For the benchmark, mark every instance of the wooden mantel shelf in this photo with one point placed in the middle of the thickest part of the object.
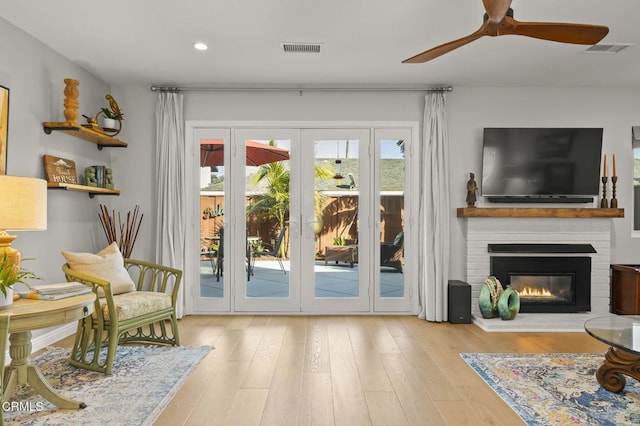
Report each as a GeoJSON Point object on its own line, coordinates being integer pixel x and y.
{"type": "Point", "coordinates": [561, 212]}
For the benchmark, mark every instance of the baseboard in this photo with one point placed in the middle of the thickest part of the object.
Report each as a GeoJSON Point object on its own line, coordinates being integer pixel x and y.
{"type": "Point", "coordinates": [52, 336]}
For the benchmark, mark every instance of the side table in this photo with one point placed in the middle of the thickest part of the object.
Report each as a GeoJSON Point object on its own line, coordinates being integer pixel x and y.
{"type": "Point", "coordinates": [625, 289]}
{"type": "Point", "coordinates": [623, 356]}
{"type": "Point", "coordinates": [347, 254]}
{"type": "Point", "coordinates": [27, 315]}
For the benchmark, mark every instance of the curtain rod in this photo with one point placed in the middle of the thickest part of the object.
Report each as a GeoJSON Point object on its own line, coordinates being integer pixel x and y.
{"type": "Point", "coordinates": [299, 89]}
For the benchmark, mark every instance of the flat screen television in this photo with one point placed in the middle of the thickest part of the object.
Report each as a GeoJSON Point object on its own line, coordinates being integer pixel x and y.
{"type": "Point", "coordinates": [541, 164]}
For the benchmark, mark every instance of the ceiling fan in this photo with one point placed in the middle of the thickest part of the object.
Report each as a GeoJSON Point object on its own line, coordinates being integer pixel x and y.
{"type": "Point", "coordinates": [499, 21]}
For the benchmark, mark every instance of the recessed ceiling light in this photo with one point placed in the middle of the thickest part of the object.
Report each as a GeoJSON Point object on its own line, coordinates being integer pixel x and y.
{"type": "Point", "coordinates": [200, 45]}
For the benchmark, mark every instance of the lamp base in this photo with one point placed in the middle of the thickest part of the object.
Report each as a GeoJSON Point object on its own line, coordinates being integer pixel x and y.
{"type": "Point", "coordinates": [12, 255]}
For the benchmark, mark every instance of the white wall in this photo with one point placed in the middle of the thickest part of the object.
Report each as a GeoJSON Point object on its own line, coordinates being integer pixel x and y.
{"type": "Point", "coordinates": [34, 74]}
{"type": "Point", "coordinates": [471, 109]}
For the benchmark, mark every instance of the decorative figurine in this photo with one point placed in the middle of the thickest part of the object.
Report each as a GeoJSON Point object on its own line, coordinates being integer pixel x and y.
{"type": "Point", "coordinates": [112, 115]}
{"type": "Point", "coordinates": [472, 187]}
{"type": "Point", "coordinates": [92, 123]}
{"type": "Point", "coordinates": [90, 176]}
{"type": "Point", "coordinates": [108, 178]}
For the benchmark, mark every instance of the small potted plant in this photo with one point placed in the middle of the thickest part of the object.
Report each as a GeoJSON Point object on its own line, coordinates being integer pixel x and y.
{"type": "Point", "coordinates": [11, 274]}
{"type": "Point", "coordinates": [110, 118]}
{"type": "Point", "coordinates": [339, 241]}
{"type": "Point", "coordinates": [112, 114]}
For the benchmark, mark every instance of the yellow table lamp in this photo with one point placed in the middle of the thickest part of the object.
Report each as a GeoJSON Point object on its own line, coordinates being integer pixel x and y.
{"type": "Point", "coordinates": [23, 207]}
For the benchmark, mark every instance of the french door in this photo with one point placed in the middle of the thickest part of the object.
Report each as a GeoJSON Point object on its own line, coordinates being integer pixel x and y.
{"type": "Point", "coordinates": [302, 220]}
{"type": "Point", "coordinates": [335, 216]}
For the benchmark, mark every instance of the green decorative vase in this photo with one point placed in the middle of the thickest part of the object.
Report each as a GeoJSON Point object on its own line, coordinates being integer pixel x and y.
{"type": "Point", "coordinates": [508, 304]}
{"type": "Point", "coordinates": [489, 296]}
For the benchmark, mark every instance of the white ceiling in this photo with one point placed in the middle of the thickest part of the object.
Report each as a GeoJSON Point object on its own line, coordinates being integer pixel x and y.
{"type": "Point", "coordinates": [150, 42]}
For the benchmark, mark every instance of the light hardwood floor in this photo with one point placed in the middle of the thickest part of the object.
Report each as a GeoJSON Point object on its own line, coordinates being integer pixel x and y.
{"type": "Point", "coordinates": [346, 370]}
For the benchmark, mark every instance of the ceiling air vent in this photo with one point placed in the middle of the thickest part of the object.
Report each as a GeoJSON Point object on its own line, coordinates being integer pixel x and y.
{"type": "Point", "coordinates": [301, 47]}
{"type": "Point", "coordinates": [608, 48]}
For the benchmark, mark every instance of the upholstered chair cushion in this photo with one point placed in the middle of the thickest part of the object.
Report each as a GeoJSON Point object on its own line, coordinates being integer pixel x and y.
{"type": "Point", "coordinates": [107, 264]}
{"type": "Point", "coordinates": [135, 304]}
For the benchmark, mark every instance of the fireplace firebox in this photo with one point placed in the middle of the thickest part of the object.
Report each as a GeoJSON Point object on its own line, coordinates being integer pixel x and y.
{"type": "Point", "coordinates": [546, 284]}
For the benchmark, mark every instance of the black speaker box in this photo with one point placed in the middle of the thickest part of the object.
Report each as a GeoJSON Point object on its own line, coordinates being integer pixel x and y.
{"type": "Point", "coordinates": [459, 302]}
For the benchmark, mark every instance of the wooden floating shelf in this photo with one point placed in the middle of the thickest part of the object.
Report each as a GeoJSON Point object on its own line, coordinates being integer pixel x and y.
{"type": "Point", "coordinates": [85, 133]}
{"type": "Point", "coordinates": [539, 212]}
{"type": "Point", "coordinates": [92, 190]}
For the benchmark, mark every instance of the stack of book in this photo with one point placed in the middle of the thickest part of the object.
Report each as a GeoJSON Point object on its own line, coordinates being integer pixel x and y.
{"type": "Point", "coordinates": [56, 291]}
{"type": "Point", "coordinates": [100, 171]}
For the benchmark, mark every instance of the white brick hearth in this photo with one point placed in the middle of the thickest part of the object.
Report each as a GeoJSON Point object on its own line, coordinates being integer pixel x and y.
{"type": "Point", "coordinates": [479, 232]}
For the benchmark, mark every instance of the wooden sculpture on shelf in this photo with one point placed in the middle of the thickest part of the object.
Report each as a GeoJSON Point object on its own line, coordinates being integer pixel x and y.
{"type": "Point", "coordinates": [71, 103]}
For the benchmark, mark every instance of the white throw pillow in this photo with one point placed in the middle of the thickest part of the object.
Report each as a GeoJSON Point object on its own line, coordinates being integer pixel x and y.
{"type": "Point", "coordinates": [107, 264]}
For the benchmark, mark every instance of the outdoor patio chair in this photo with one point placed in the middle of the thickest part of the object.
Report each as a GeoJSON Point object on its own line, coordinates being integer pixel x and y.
{"type": "Point", "coordinates": [209, 252]}
{"type": "Point", "coordinates": [220, 258]}
{"type": "Point", "coordinates": [270, 250]}
{"type": "Point", "coordinates": [391, 253]}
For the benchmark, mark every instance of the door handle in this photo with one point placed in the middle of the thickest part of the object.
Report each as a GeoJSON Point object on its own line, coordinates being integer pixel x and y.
{"type": "Point", "coordinates": [294, 227]}
{"type": "Point", "coordinates": [310, 228]}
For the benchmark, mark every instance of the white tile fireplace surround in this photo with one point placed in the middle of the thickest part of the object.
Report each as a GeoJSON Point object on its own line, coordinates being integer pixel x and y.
{"type": "Point", "coordinates": [481, 231]}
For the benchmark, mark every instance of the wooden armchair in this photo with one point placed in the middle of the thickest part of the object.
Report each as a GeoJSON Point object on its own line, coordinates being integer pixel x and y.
{"type": "Point", "coordinates": [143, 315]}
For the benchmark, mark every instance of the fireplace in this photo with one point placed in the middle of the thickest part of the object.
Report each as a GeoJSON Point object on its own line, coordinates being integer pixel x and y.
{"type": "Point", "coordinates": [546, 284]}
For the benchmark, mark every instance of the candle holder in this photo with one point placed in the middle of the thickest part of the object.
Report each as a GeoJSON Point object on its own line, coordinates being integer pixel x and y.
{"type": "Point", "coordinates": [603, 203]}
{"type": "Point", "coordinates": [614, 200]}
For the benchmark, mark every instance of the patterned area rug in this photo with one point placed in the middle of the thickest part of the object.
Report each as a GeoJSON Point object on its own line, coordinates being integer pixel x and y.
{"type": "Point", "coordinates": [557, 389]}
{"type": "Point", "coordinates": [144, 380]}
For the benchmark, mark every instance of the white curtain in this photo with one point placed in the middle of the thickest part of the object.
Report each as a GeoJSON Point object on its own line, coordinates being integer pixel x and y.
{"type": "Point", "coordinates": [171, 184]}
{"type": "Point", "coordinates": [434, 216]}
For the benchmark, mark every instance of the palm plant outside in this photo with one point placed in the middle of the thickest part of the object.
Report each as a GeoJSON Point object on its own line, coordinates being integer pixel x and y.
{"type": "Point", "coordinates": [274, 202]}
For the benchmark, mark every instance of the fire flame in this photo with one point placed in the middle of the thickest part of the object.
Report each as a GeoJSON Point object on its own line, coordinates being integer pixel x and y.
{"type": "Point", "coordinates": [534, 292]}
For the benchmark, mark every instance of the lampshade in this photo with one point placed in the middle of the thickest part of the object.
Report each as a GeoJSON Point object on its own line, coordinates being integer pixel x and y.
{"type": "Point", "coordinates": [23, 203]}
{"type": "Point", "coordinates": [23, 207]}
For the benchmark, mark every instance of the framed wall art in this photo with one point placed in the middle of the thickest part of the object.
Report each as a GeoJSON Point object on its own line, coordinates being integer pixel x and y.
{"type": "Point", "coordinates": [4, 128]}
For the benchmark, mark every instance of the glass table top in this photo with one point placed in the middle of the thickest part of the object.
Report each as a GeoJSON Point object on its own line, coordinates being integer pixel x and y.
{"type": "Point", "coordinates": [622, 331]}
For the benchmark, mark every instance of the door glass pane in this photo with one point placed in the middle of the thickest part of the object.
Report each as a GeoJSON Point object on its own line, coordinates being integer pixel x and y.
{"type": "Point", "coordinates": [267, 196]}
{"type": "Point", "coordinates": [336, 209]}
{"type": "Point", "coordinates": [391, 175]}
{"type": "Point", "coordinates": [212, 214]}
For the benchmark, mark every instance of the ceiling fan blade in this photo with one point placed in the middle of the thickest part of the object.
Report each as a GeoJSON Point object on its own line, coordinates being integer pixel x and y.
{"type": "Point", "coordinates": [496, 9]}
{"type": "Point", "coordinates": [445, 48]}
{"type": "Point", "coordinates": [564, 33]}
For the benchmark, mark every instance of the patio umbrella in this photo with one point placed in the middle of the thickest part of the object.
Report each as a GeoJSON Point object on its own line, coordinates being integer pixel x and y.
{"type": "Point", "coordinates": [212, 153]}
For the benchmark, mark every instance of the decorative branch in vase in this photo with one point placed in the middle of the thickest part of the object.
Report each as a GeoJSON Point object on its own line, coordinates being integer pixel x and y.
{"type": "Point", "coordinates": [123, 233]}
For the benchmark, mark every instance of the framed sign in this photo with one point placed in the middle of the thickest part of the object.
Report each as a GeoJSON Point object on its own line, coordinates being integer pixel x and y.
{"type": "Point", "coordinates": [4, 128]}
{"type": "Point", "coordinates": [59, 170]}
